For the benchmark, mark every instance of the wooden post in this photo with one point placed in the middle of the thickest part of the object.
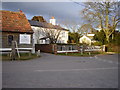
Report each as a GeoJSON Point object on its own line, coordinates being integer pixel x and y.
{"type": "Point", "coordinates": [83, 49]}
{"type": "Point", "coordinates": [55, 48]}
{"type": "Point", "coordinates": [66, 50]}
{"type": "Point", "coordinates": [103, 48]}
{"type": "Point", "coordinates": [17, 49]}
{"type": "Point", "coordinates": [30, 53]}
{"type": "Point", "coordinates": [13, 54]}
{"type": "Point", "coordinates": [78, 47]}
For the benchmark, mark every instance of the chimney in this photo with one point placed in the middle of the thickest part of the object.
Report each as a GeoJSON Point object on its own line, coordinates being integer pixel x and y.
{"type": "Point", "coordinates": [52, 17]}
{"type": "Point", "coordinates": [20, 11]}
{"type": "Point", "coordinates": [53, 21]}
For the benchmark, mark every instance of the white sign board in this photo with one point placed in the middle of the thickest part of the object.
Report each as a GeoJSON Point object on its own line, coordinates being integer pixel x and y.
{"type": "Point", "coordinates": [25, 39]}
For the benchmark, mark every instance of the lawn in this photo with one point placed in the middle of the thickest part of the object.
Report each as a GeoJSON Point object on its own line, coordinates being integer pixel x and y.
{"type": "Point", "coordinates": [86, 54]}
{"type": "Point", "coordinates": [23, 56]}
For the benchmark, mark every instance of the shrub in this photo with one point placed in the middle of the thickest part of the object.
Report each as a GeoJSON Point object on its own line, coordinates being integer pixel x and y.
{"type": "Point", "coordinates": [113, 48]}
{"type": "Point", "coordinates": [97, 43]}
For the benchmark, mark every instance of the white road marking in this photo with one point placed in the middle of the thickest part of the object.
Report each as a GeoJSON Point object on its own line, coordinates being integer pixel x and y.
{"type": "Point", "coordinates": [76, 69]}
{"type": "Point", "coordinates": [109, 61]}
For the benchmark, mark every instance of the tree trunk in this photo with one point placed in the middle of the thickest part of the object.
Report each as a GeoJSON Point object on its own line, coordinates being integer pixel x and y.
{"type": "Point", "coordinates": [107, 38]}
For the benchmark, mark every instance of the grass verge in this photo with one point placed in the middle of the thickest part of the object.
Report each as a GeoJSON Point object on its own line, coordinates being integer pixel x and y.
{"type": "Point", "coordinates": [23, 56]}
{"type": "Point", "coordinates": [85, 54]}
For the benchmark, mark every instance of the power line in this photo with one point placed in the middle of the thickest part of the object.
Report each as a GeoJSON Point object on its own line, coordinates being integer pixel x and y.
{"type": "Point", "coordinates": [78, 3]}
{"type": "Point", "coordinates": [83, 5]}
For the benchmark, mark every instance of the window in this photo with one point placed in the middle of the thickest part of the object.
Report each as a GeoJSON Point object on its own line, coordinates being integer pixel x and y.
{"type": "Point", "coordinates": [63, 34]}
{"type": "Point", "coordinates": [10, 39]}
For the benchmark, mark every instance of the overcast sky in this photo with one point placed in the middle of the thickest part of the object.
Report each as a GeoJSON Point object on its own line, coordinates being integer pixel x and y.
{"type": "Point", "coordinates": [62, 11]}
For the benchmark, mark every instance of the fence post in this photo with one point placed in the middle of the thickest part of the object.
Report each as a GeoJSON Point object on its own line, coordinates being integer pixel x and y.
{"type": "Point", "coordinates": [78, 47]}
{"type": "Point", "coordinates": [66, 49]}
{"type": "Point", "coordinates": [13, 54]}
{"type": "Point", "coordinates": [38, 53]}
{"type": "Point", "coordinates": [55, 48]}
{"type": "Point", "coordinates": [103, 48]}
{"type": "Point", "coordinates": [83, 48]}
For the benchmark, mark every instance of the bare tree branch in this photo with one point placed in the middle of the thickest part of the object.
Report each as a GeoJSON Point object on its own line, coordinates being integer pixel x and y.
{"type": "Point", "coordinates": [101, 13]}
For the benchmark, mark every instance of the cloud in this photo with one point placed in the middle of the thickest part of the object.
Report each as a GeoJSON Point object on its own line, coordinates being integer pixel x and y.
{"type": "Point", "coordinates": [61, 10]}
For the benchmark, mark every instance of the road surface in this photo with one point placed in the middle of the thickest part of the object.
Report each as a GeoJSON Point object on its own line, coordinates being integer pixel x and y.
{"type": "Point", "coordinates": [54, 71]}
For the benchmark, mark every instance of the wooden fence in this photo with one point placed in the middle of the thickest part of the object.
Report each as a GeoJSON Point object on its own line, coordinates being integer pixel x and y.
{"type": "Point", "coordinates": [54, 48]}
{"type": "Point", "coordinates": [67, 48]}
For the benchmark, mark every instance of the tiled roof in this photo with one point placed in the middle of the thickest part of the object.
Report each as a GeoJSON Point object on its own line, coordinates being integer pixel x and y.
{"type": "Point", "coordinates": [15, 22]}
{"type": "Point", "coordinates": [45, 25]}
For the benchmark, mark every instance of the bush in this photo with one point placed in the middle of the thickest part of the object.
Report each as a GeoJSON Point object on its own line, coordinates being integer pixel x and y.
{"type": "Point", "coordinates": [113, 48]}
{"type": "Point", "coordinates": [100, 36]}
{"type": "Point", "coordinates": [97, 43]}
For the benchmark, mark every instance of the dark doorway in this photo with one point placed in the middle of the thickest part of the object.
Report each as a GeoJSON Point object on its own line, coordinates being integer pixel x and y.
{"type": "Point", "coordinates": [10, 39]}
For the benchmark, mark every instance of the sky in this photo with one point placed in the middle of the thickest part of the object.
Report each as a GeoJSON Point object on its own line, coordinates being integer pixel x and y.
{"type": "Point", "coordinates": [62, 11]}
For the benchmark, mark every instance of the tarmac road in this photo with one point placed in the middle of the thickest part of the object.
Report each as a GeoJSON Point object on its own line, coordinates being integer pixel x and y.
{"type": "Point", "coordinates": [53, 71]}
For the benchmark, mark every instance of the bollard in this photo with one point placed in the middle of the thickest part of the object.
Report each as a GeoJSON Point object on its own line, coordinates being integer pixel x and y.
{"type": "Point", "coordinates": [81, 51]}
{"type": "Point", "coordinates": [38, 53]}
{"type": "Point", "coordinates": [66, 53]}
{"type": "Point", "coordinates": [89, 53]}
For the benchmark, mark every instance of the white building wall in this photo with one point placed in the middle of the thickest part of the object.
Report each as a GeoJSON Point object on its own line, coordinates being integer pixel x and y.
{"type": "Point", "coordinates": [63, 37]}
{"type": "Point", "coordinates": [85, 39]}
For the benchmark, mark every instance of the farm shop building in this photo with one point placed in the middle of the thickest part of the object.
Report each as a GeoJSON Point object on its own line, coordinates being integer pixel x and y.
{"type": "Point", "coordinates": [15, 26]}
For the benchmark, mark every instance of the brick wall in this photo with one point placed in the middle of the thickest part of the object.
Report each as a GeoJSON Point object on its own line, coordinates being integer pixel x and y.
{"type": "Point", "coordinates": [16, 38]}
{"type": "Point", "coordinates": [48, 48]}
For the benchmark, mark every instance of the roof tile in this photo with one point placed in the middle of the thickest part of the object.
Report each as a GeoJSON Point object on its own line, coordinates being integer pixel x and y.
{"type": "Point", "coordinates": [15, 22]}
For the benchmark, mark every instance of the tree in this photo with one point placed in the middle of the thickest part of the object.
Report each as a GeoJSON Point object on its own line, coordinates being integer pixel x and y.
{"type": "Point", "coordinates": [103, 13]}
{"type": "Point", "coordinates": [47, 33]}
{"type": "Point", "coordinates": [116, 39]}
{"type": "Point", "coordinates": [73, 27]}
{"type": "Point", "coordinates": [50, 33]}
{"type": "Point", "coordinates": [46, 30]}
{"type": "Point", "coordinates": [37, 34]}
{"type": "Point", "coordinates": [100, 36]}
{"type": "Point", "coordinates": [85, 29]}
{"type": "Point", "coordinates": [38, 18]}
{"type": "Point", "coordinates": [74, 37]}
